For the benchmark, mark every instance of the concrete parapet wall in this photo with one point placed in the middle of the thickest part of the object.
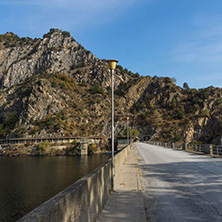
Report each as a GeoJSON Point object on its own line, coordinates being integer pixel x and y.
{"type": "Point", "coordinates": [83, 200]}
{"type": "Point", "coordinates": [207, 148]}
{"type": "Point", "coordinates": [119, 158]}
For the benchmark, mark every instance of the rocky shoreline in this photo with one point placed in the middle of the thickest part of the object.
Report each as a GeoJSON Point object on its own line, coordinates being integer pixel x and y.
{"type": "Point", "coordinates": [16, 150]}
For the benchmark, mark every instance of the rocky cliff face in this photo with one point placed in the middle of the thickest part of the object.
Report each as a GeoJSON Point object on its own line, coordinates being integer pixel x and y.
{"type": "Point", "coordinates": [53, 86]}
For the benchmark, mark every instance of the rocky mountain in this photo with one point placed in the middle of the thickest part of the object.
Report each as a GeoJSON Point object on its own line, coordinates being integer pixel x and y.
{"type": "Point", "coordinates": [54, 87]}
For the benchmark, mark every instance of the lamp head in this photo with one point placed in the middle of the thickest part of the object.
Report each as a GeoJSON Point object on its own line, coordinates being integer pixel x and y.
{"type": "Point", "coordinates": [112, 63]}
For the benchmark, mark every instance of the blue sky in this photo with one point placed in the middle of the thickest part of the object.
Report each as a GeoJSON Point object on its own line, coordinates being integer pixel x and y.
{"type": "Point", "coordinates": [175, 38]}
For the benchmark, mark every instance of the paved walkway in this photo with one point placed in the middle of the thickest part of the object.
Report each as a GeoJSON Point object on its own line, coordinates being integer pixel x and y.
{"type": "Point", "coordinates": [126, 203]}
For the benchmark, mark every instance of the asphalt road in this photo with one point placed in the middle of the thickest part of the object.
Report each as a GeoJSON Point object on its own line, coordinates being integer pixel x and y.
{"type": "Point", "coordinates": [180, 186]}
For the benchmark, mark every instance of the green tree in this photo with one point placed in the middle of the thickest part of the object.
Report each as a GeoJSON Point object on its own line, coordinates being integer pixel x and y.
{"type": "Point", "coordinates": [134, 133]}
{"type": "Point", "coordinates": [185, 86]}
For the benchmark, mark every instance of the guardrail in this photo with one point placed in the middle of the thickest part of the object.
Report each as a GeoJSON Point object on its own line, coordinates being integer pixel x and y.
{"type": "Point", "coordinates": [199, 148]}
{"type": "Point", "coordinates": [213, 150]}
{"type": "Point", "coordinates": [65, 139]}
{"type": "Point", "coordinates": [217, 150]}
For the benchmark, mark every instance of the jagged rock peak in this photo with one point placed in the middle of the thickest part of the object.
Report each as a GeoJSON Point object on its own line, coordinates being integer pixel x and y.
{"type": "Point", "coordinates": [56, 32]}
{"type": "Point", "coordinates": [57, 52]}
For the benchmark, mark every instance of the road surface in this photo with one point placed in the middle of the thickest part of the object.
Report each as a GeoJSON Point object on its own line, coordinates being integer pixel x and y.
{"type": "Point", "coordinates": [180, 186]}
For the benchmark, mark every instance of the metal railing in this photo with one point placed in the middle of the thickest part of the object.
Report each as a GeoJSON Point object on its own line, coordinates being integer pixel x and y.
{"type": "Point", "coordinates": [96, 139]}
{"type": "Point", "coordinates": [213, 150]}
{"type": "Point", "coordinates": [217, 150]}
{"type": "Point", "coordinates": [199, 148]}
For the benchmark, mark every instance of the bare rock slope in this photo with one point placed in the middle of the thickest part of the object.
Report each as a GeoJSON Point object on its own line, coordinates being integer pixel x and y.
{"type": "Point", "coordinates": [53, 87]}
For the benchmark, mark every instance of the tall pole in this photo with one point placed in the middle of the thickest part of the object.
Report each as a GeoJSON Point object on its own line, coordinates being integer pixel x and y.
{"type": "Point", "coordinates": [112, 66]}
{"type": "Point", "coordinates": [112, 128]}
{"type": "Point", "coordinates": [130, 137]}
{"type": "Point", "coordinates": [127, 130]}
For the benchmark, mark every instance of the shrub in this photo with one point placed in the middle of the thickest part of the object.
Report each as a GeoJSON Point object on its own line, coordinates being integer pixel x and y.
{"type": "Point", "coordinates": [204, 113]}
{"type": "Point", "coordinates": [151, 105]}
{"type": "Point", "coordinates": [2, 131]}
{"type": "Point", "coordinates": [74, 142]}
{"type": "Point", "coordinates": [54, 83]}
{"type": "Point", "coordinates": [219, 101]}
{"type": "Point", "coordinates": [120, 68]}
{"type": "Point", "coordinates": [92, 148]}
{"type": "Point", "coordinates": [124, 86]}
{"type": "Point", "coordinates": [178, 138]}
{"type": "Point", "coordinates": [168, 80]}
{"type": "Point", "coordinates": [43, 147]}
{"type": "Point", "coordinates": [96, 89]}
{"type": "Point", "coordinates": [64, 81]}
{"type": "Point", "coordinates": [50, 122]}
{"type": "Point", "coordinates": [80, 47]}
{"type": "Point", "coordinates": [134, 133]}
{"type": "Point", "coordinates": [10, 121]}
{"type": "Point", "coordinates": [65, 34]}
{"type": "Point", "coordinates": [1, 127]}
{"type": "Point", "coordinates": [54, 122]}
{"type": "Point", "coordinates": [180, 114]}
{"type": "Point", "coordinates": [73, 66]}
{"type": "Point", "coordinates": [174, 103]}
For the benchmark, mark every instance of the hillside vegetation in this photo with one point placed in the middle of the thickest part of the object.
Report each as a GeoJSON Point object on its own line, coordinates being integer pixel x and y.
{"type": "Point", "coordinates": [55, 87]}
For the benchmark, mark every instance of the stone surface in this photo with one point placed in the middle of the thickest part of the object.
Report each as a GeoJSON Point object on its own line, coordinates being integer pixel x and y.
{"type": "Point", "coordinates": [42, 79]}
{"type": "Point", "coordinates": [126, 202]}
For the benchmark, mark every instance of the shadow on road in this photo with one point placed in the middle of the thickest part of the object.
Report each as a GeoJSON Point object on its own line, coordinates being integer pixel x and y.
{"type": "Point", "coordinates": [183, 191]}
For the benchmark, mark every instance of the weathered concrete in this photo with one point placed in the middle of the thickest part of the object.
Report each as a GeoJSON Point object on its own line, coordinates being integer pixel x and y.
{"type": "Point", "coordinates": [207, 148]}
{"type": "Point", "coordinates": [82, 201]}
{"type": "Point", "coordinates": [120, 158]}
{"type": "Point", "coordinates": [126, 203]}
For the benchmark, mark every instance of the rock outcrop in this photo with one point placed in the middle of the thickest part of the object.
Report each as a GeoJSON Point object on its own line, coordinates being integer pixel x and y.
{"type": "Point", "coordinates": [54, 87]}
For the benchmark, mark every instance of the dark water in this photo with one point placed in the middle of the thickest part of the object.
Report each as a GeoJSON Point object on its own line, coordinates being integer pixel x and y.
{"type": "Point", "coordinates": [26, 182]}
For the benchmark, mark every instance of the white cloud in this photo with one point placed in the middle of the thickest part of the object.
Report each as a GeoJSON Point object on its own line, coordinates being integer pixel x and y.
{"type": "Point", "coordinates": [65, 14]}
{"type": "Point", "coordinates": [80, 4]}
{"type": "Point", "coordinates": [198, 52]}
{"type": "Point", "coordinates": [204, 42]}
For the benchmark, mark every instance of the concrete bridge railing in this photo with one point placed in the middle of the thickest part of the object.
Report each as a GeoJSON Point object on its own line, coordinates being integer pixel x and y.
{"type": "Point", "coordinates": [83, 200]}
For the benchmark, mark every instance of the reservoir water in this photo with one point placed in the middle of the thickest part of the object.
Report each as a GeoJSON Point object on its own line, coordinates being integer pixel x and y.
{"type": "Point", "coordinates": [26, 182]}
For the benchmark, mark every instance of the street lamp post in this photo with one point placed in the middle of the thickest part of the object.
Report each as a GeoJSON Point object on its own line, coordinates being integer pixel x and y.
{"type": "Point", "coordinates": [112, 66]}
{"type": "Point", "coordinates": [127, 118]}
